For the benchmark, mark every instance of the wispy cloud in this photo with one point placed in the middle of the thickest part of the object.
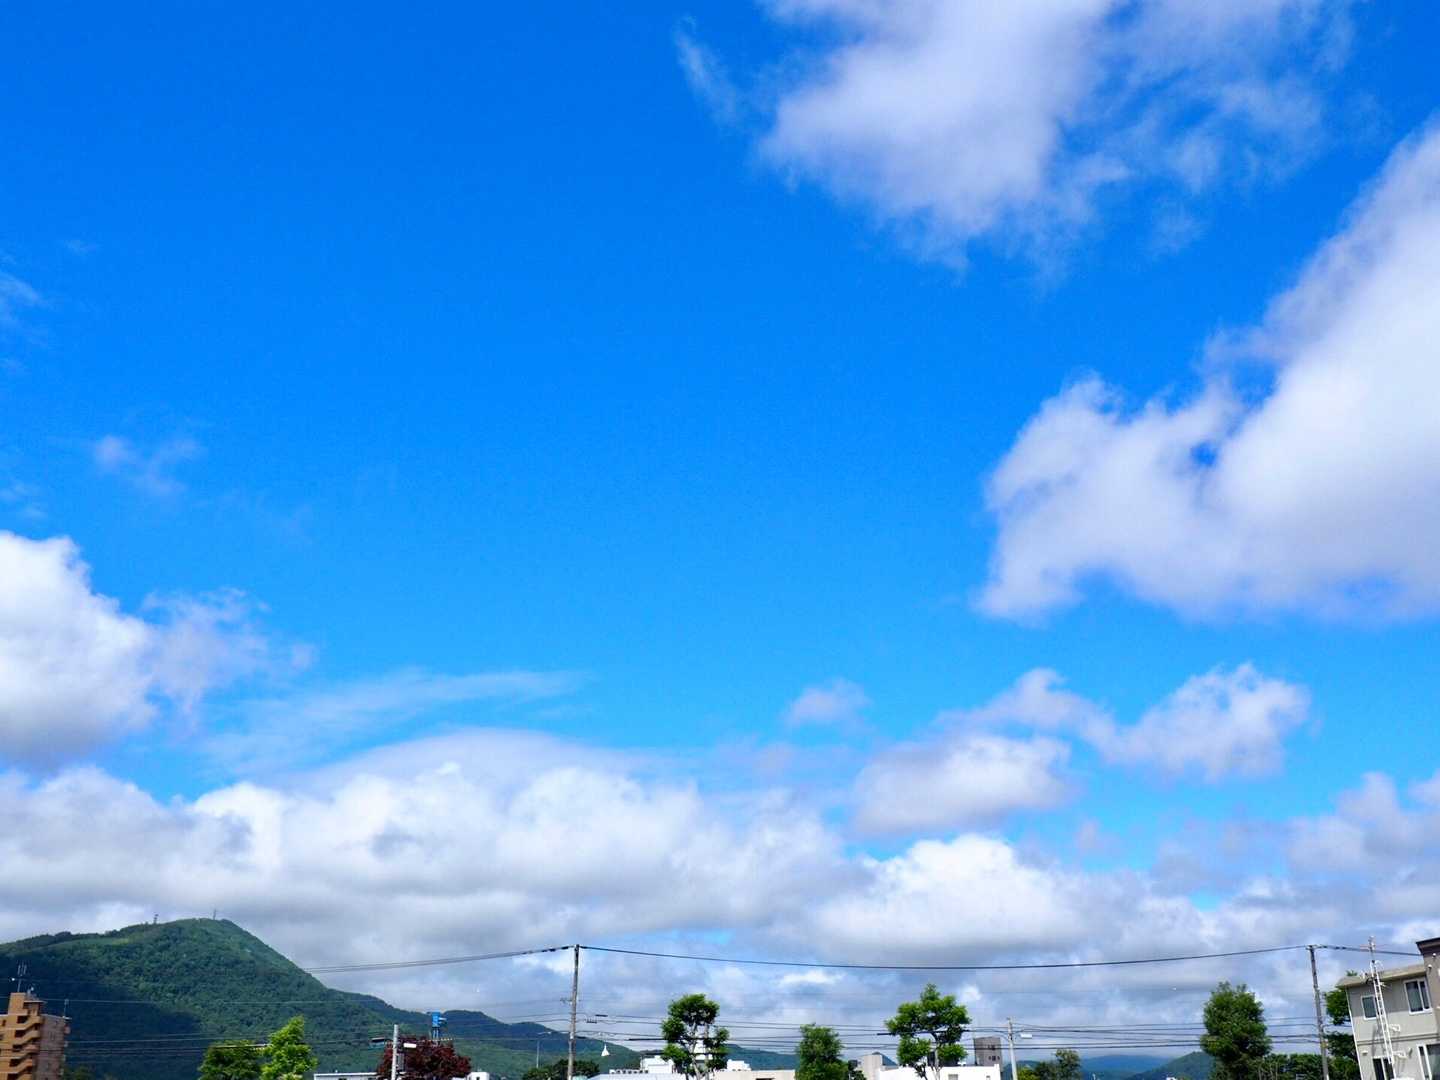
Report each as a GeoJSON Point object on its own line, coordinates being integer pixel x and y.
{"type": "Point", "coordinates": [22, 499]}
{"type": "Point", "coordinates": [706, 75]}
{"type": "Point", "coordinates": [149, 471]}
{"type": "Point", "coordinates": [15, 296]}
{"type": "Point", "coordinates": [279, 734]}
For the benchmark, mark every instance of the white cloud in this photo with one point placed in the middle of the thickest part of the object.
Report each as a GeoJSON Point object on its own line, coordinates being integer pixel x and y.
{"type": "Point", "coordinates": [958, 780]}
{"type": "Point", "coordinates": [1223, 723]}
{"type": "Point", "coordinates": [15, 296]}
{"type": "Point", "coordinates": [968, 119]}
{"type": "Point", "coordinates": [76, 671]}
{"type": "Point", "coordinates": [24, 499]}
{"type": "Point", "coordinates": [152, 471]}
{"type": "Point", "coordinates": [501, 839]}
{"type": "Point", "coordinates": [838, 702]}
{"type": "Point", "coordinates": [707, 76]}
{"type": "Point", "coordinates": [1039, 700]}
{"type": "Point", "coordinates": [1373, 829]}
{"type": "Point", "coordinates": [283, 733]}
{"type": "Point", "coordinates": [1321, 495]}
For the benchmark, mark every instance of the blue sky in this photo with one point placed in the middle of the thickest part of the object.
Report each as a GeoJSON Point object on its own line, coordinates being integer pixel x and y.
{"type": "Point", "coordinates": [652, 360]}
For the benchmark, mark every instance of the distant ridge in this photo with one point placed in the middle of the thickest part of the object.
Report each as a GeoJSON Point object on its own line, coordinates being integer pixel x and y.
{"type": "Point", "coordinates": [146, 1000]}
{"type": "Point", "coordinates": [1196, 1066]}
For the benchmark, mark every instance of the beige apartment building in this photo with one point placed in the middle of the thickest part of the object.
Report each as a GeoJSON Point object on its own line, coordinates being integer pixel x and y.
{"type": "Point", "coordinates": [32, 1043]}
{"type": "Point", "coordinates": [1397, 1032]}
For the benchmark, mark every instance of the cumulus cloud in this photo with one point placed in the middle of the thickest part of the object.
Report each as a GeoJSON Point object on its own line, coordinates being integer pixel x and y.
{"type": "Point", "coordinates": [350, 867]}
{"type": "Point", "coordinates": [1373, 828]}
{"type": "Point", "coordinates": [1319, 495]}
{"type": "Point", "coordinates": [838, 702]}
{"type": "Point", "coordinates": [76, 671]}
{"type": "Point", "coordinates": [1037, 699]}
{"type": "Point", "coordinates": [1223, 723]}
{"type": "Point", "coordinates": [149, 471]}
{"type": "Point", "coordinates": [972, 119]}
{"type": "Point", "coordinates": [1220, 724]}
{"type": "Point", "coordinates": [955, 781]}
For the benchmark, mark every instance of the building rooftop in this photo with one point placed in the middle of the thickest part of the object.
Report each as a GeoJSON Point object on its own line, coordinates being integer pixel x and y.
{"type": "Point", "coordinates": [1386, 975]}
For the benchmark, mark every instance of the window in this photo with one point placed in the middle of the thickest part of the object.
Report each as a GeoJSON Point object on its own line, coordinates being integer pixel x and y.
{"type": "Point", "coordinates": [1430, 1060]}
{"type": "Point", "coordinates": [1367, 1006]}
{"type": "Point", "coordinates": [1384, 1070]}
{"type": "Point", "coordinates": [1418, 994]}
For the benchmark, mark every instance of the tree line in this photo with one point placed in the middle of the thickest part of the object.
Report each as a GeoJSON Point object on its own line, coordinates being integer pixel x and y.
{"type": "Point", "coordinates": [928, 1030]}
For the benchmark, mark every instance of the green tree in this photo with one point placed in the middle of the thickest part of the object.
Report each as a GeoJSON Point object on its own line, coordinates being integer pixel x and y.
{"type": "Point", "coordinates": [1066, 1066]}
{"type": "Point", "coordinates": [930, 1030]}
{"type": "Point", "coordinates": [1344, 1065]}
{"type": "Point", "coordinates": [288, 1056]}
{"type": "Point", "coordinates": [819, 1055]}
{"type": "Point", "coordinates": [1235, 1034]}
{"type": "Point", "coordinates": [555, 1070]}
{"type": "Point", "coordinates": [1291, 1067]}
{"type": "Point", "coordinates": [231, 1061]}
{"type": "Point", "coordinates": [693, 1043]}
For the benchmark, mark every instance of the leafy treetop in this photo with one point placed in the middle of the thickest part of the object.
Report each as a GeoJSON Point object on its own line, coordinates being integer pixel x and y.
{"type": "Point", "coordinates": [1066, 1066]}
{"type": "Point", "coordinates": [231, 1061]}
{"type": "Point", "coordinates": [693, 1043]}
{"type": "Point", "coordinates": [819, 1055]}
{"type": "Point", "coordinates": [930, 1030]}
{"type": "Point", "coordinates": [288, 1056]}
{"type": "Point", "coordinates": [1344, 1065]}
{"type": "Point", "coordinates": [1235, 1034]}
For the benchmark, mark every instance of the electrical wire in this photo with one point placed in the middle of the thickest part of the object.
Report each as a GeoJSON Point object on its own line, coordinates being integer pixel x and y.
{"type": "Point", "coordinates": [947, 967]}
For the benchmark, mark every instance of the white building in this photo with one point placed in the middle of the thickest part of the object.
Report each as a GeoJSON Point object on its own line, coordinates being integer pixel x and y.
{"type": "Point", "coordinates": [871, 1065]}
{"type": "Point", "coordinates": [655, 1065]}
{"type": "Point", "coordinates": [1407, 1003]}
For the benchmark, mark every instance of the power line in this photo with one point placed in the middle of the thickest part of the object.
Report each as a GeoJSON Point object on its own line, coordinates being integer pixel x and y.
{"type": "Point", "coordinates": [836, 965]}
{"type": "Point", "coordinates": [946, 967]}
{"type": "Point", "coordinates": [386, 965]}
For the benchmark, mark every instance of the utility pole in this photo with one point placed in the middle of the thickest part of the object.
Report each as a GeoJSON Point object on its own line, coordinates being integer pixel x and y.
{"type": "Point", "coordinates": [395, 1053]}
{"type": "Point", "coordinates": [574, 1004]}
{"type": "Point", "coordinates": [1319, 1019]}
{"type": "Point", "coordinates": [1010, 1031]}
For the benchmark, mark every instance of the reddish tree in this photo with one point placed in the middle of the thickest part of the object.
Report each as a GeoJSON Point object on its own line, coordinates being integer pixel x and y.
{"type": "Point", "coordinates": [426, 1060]}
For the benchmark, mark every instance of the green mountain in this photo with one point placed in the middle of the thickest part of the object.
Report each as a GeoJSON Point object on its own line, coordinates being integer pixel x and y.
{"type": "Point", "coordinates": [146, 1000]}
{"type": "Point", "coordinates": [1194, 1066]}
{"type": "Point", "coordinates": [1124, 1064]}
